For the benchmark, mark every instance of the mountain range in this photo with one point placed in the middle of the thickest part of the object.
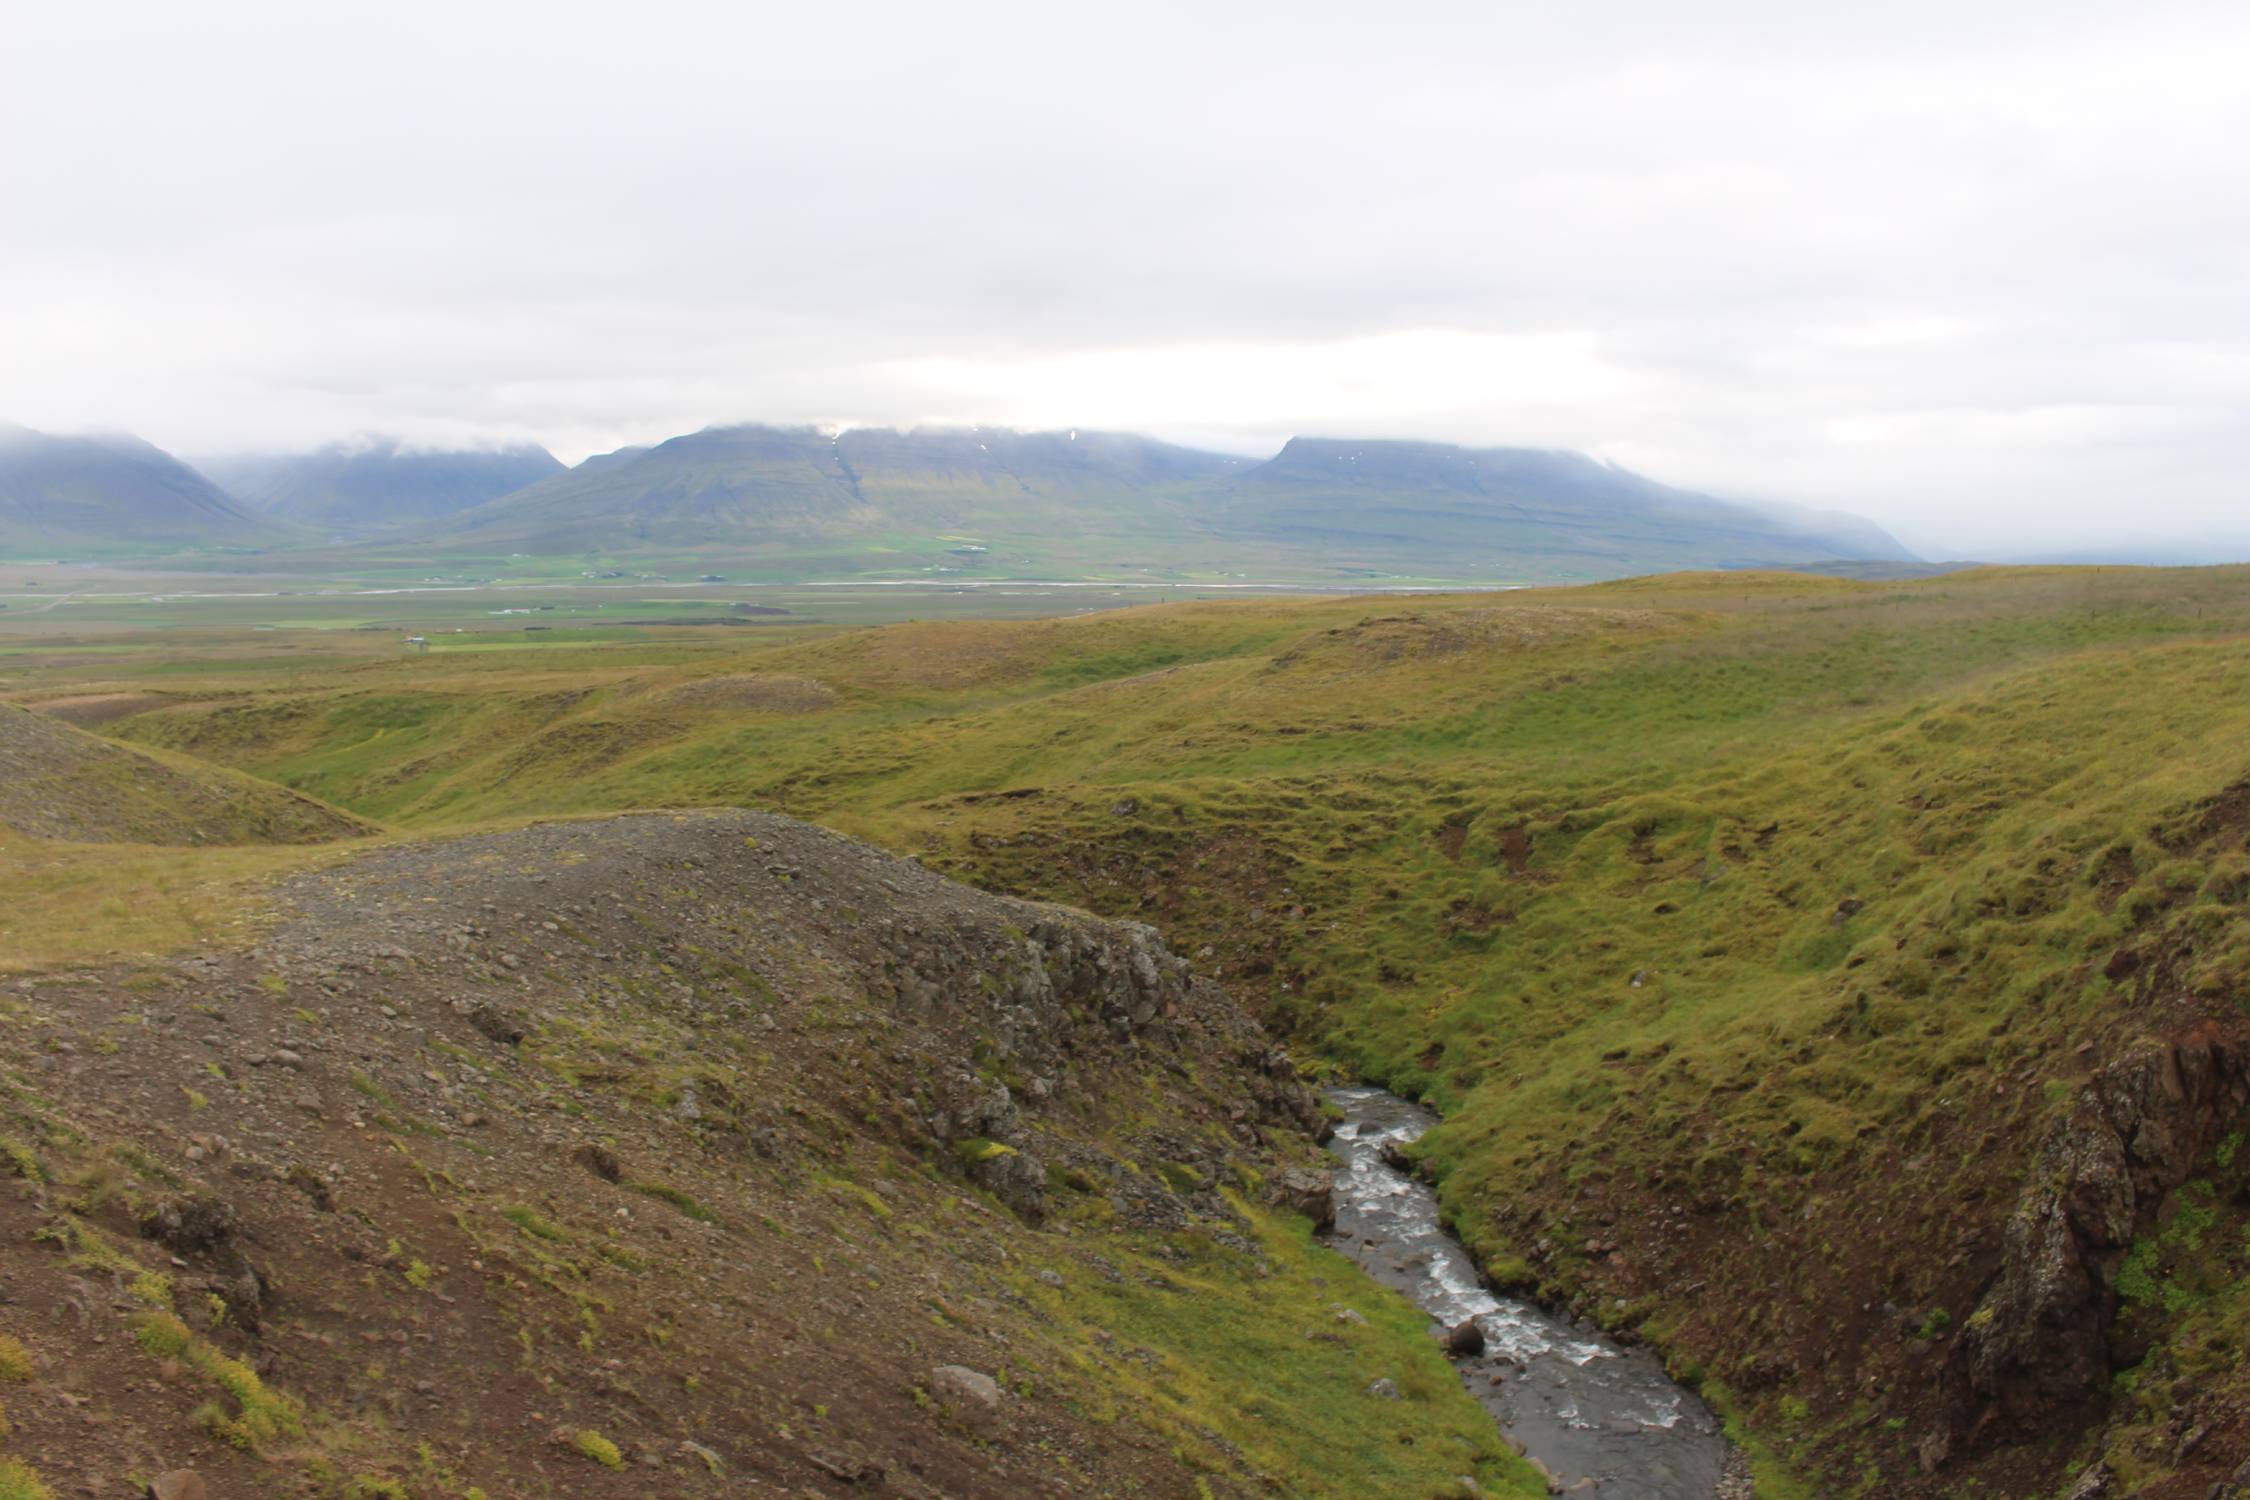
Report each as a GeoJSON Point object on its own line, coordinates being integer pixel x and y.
{"type": "Point", "coordinates": [784, 485]}
{"type": "Point", "coordinates": [1542, 510]}
{"type": "Point", "coordinates": [362, 488]}
{"type": "Point", "coordinates": [114, 494]}
{"type": "Point", "coordinates": [799, 501]}
{"type": "Point", "coordinates": [980, 499]}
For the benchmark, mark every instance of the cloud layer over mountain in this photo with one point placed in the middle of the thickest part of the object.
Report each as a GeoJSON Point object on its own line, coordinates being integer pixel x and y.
{"type": "Point", "coordinates": [1974, 272]}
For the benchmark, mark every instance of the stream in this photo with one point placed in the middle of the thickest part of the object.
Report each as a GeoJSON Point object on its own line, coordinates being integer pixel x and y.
{"type": "Point", "coordinates": [1604, 1419]}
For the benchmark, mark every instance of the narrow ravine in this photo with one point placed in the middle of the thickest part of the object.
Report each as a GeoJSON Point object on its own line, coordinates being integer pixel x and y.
{"type": "Point", "coordinates": [1602, 1419]}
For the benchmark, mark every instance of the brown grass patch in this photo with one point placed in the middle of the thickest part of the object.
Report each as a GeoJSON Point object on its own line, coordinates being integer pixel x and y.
{"type": "Point", "coordinates": [754, 693]}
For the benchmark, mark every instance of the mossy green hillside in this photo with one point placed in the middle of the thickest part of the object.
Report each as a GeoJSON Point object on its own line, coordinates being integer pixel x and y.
{"type": "Point", "coordinates": [1758, 924]}
{"type": "Point", "coordinates": [1272, 1355]}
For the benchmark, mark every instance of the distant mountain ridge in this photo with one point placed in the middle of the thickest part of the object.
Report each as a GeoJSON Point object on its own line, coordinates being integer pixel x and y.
{"type": "Point", "coordinates": [113, 494]}
{"type": "Point", "coordinates": [1406, 500]}
{"type": "Point", "coordinates": [1321, 506]}
{"type": "Point", "coordinates": [763, 485]}
{"type": "Point", "coordinates": [375, 485]}
{"type": "Point", "coordinates": [933, 502]}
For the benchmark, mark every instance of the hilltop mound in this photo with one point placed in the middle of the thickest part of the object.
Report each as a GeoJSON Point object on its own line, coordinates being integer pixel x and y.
{"type": "Point", "coordinates": [1410, 636]}
{"type": "Point", "coordinates": [59, 782]}
{"type": "Point", "coordinates": [112, 495]}
{"type": "Point", "coordinates": [754, 692]}
{"type": "Point", "coordinates": [92, 710]}
{"type": "Point", "coordinates": [684, 1154]}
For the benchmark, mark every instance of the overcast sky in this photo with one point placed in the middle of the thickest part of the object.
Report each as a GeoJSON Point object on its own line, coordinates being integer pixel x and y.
{"type": "Point", "coordinates": [1980, 271]}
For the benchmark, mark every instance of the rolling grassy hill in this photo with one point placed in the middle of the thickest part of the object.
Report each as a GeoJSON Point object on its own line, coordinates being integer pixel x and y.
{"type": "Point", "coordinates": [114, 496]}
{"type": "Point", "coordinates": [354, 489]}
{"type": "Point", "coordinates": [136, 850]}
{"type": "Point", "coordinates": [1792, 957]}
{"type": "Point", "coordinates": [60, 782]}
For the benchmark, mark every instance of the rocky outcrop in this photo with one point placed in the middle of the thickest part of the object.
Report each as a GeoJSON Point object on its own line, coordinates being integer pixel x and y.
{"type": "Point", "coordinates": [1278, 1095]}
{"type": "Point", "coordinates": [1306, 1192]}
{"type": "Point", "coordinates": [1036, 992]}
{"type": "Point", "coordinates": [1044, 998]}
{"type": "Point", "coordinates": [1016, 1179]}
{"type": "Point", "coordinates": [2038, 1341]}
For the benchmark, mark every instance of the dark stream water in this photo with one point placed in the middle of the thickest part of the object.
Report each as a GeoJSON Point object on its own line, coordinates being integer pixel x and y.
{"type": "Point", "coordinates": [1604, 1419]}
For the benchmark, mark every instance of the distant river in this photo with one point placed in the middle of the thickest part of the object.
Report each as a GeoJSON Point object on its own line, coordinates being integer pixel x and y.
{"type": "Point", "coordinates": [1604, 1419]}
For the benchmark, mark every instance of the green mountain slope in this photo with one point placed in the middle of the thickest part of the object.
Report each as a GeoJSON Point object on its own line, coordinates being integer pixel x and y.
{"type": "Point", "coordinates": [738, 485]}
{"type": "Point", "coordinates": [357, 488]}
{"type": "Point", "coordinates": [782, 488]}
{"type": "Point", "coordinates": [1542, 513]}
{"type": "Point", "coordinates": [113, 495]}
{"type": "Point", "coordinates": [971, 503]}
{"type": "Point", "coordinates": [992, 502]}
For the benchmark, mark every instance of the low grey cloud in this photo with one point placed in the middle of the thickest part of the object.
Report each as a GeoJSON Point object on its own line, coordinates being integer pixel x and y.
{"type": "Point", "coordinates": [1973, 270]}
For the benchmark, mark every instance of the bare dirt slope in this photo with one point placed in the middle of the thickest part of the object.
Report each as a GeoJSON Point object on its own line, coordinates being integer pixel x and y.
{"type": "Point", "coordinates": [662, 1154]}
{"type": "Point", "coordinates": [59, 782]}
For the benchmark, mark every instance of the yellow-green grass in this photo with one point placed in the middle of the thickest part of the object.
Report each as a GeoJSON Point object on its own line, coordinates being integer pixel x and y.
{"type": "Point", "coordinates": [1865, 847]}
{"type": "Point", "coordinates": [69, 904]}
{"type": "Point", "coordinates": [1209, 1346]}
{"type": "Point", "coordinates": [58, 781]}
{"type": "Point", "coordinates": [19, 1481]}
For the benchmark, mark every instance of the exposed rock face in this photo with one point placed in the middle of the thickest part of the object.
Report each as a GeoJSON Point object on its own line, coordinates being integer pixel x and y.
{"type": "Point", "coordinates": [1064, 989]}
{"type": "Point", "coordinates": [2094, 1484]}
{"type": "Point", "coordinates": [191, 1224]}
{"type": "Point", "coordinates": [1306, 1192]}
{"type": "Point", "coordinates": [2037, 1342]}
{"type": "Point", "coordinates": [1032, 995]}
{"type": "Point", "coordinates": [1018, 1180]}
{"type": "Point", "coordinates": [1278, 1093]}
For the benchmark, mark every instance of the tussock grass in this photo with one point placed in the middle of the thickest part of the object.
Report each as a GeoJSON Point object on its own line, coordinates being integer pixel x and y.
{"type": "Point", "coordinates": [19, 1481]}
{"type": "Point", "coordinates": [1206, 1347]}
{"type": "Point", "coordinates": [1788, 898]}
{"type": "Point", "coordinates": [64, 904]}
